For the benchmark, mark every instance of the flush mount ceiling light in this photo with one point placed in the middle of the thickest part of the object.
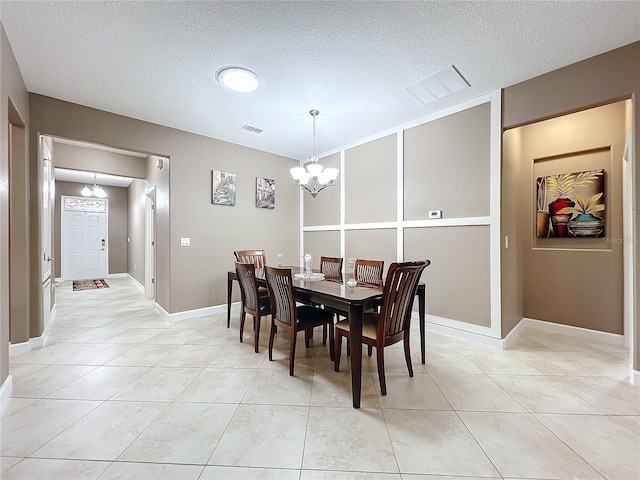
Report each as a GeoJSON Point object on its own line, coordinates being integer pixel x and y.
{"type": "Point", "coordinates": [238, 79]}
{"type": "Point", "coordinates": [315, 177]}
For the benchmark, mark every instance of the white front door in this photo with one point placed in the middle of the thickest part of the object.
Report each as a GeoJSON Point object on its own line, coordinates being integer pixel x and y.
{"type": "Point", "coordinates": [84, 238]}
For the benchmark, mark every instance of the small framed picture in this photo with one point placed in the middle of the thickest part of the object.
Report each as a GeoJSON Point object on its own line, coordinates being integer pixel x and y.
{"type": "Point", "coordinates": [265, 193]}
{"type": "Point", "coordinates": [223, 188]}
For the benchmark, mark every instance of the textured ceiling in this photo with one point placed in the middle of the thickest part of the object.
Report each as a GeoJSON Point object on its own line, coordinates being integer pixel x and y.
{"type": "Point", "coordinates": [156, 61]}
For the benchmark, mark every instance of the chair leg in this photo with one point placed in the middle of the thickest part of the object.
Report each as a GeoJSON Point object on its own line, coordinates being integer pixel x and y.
{"type": "Point", "coordinates": [332, 351]}
{"type": "Point", "coordinates": [292, 350]}
{"type": "Point", "coordinates": [324, 334]}
{"type": "Point", "coordinates": [369, 350]}
{"type": "Point", "coordinates": [272, 334]}
{"type": "Point", "coordinates": [348, 347]}
{"type": "Point", "coordinates": [242, 317]}
{"type": "Point", "coordinates": [256, 324]}
{"type": "Point", "coordinates": [381, 377]}
{"type": "Point", "coordinates": [308, 335]}
{"type": "Point", "coordinates": [407, 354]}
{"type": "Point", "coordinates": [337, 350]}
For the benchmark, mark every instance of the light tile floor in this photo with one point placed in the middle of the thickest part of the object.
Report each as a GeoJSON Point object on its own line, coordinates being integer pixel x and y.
{"type": "Point", "coordinates": [119, 392]}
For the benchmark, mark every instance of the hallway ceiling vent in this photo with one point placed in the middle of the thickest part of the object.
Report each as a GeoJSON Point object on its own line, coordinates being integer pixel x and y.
{"type": "Point", "coordinates": [438, 86]}
{"type": "Point", "coordinates": [251, 129]}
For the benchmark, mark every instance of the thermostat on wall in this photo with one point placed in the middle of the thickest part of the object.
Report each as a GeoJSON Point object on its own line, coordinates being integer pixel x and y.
{"type": "Point", "coordinates": [435, 214]}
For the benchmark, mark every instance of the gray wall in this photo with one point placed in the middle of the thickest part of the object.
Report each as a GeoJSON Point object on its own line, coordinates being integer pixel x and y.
{"type": "Point", "coordinates": [76, 157]}
{"type": "Point", "coordinates": [12, 91]}
{"type": "Point", "coordinates": [596, 81]}
{"type": "Point", "coordinates": [189, 277]}
{"type": "Point", "coordinates": [574, 281]}
{"type": "Point", "coordinates": [439, 172]}
{"type": "Point", "coordinates": [136, 233]}
{"type": "Point", "coordinates": [117, 224]}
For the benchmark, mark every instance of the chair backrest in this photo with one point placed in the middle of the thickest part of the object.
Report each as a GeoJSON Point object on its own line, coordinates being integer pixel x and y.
{"type": "Point", "coordinates": [369, 271]}
{"type": "Point", "coordinates": [246, 273]}
{"type": "Point", "coordinates": [399, 291]}
{"type": "Point", "coordinates": [280, 285]}
{"type": "Point", "coordinates": [257, 257]}
{"type": "Point", "coordinates": [331, 267]}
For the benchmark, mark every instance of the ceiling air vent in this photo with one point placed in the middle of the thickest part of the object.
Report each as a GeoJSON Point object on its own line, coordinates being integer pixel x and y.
{"type": "Point", "coordinates": [437, 86]}
{"type": "Point", "coordinates": [251, 129]}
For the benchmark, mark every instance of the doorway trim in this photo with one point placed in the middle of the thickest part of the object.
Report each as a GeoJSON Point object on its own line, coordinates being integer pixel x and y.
{"type": "Point", "coordinates": [150, 245]}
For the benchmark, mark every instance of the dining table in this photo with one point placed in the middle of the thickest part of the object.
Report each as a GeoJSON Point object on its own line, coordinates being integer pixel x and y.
{"type": "Point", "coordinates": [333, 292]}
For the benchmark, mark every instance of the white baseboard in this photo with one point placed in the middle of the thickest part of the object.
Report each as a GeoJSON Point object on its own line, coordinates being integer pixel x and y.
{"type": "Point", "coordinates": [199, 312]}
{"type": "Point", "coordinates": [136, 282]}
{"type": "Point", "coordinates": [459, 333]}
{"type": "Point", "coordinates": [634, 378]}
{"type": "Point", "coordinates": [7, 385]}
{"type": "Point", "coordinates": [605, 337]}
{"type": "Point", "coordinates": [24, 347]}
{"type": "Point", "coordinates": [117, 275]}
{"type": "Point", "coordinates": [512, 336]}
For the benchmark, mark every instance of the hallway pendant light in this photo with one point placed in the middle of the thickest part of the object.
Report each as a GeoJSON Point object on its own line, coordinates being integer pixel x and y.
{"type": "Point", "coordinates": [314, 178]}
{"type": "Point", "coordinates": [96, 190]}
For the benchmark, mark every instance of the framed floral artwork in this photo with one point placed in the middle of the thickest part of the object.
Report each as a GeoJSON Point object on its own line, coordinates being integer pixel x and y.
{"type": "Point", "coordinates": [571, 205]}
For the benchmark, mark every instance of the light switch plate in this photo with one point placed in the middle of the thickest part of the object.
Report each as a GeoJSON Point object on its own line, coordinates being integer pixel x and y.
{"type": "Point", "coordinates": [435, 214]}
{"type": "Point", "coordinates": [185, 242]}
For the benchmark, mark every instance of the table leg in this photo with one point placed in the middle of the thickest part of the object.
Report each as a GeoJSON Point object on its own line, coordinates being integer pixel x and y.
{"type": "Point", "coordinates": [229, 289]}
{"type": "Point", "coordinates": [421, 295]}
{"type": "Point", "coordinates": [355, 339]}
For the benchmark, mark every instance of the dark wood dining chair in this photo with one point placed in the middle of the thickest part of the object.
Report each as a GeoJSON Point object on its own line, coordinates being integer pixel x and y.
{"type": "Point", "coordinates": [369, 272]}
{"type": "Point", "coordinates": [258, 258]}
{"type": "Point", "coordinates": [252, 303]}
{"type": "Point", "coordinates": [393, 322]}
{"type": "Point", "coordinates": [285, 313]}
{"type": "Point", "coordinates": [331, 267]}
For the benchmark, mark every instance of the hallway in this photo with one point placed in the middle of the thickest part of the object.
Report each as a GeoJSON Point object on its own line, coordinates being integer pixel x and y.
{"type": "Point", "coordinates": [120, 392]}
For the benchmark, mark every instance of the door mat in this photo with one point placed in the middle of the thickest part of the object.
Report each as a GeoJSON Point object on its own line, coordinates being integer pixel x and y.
{"type": "Point", "coordinates": [89, 284]}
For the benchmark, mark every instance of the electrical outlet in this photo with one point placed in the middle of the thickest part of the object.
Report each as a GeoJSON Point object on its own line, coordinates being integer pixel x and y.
{"type": "Point", "coordinates": [435, 214]}
{"type": "Point", "coordinates": [185, 242]}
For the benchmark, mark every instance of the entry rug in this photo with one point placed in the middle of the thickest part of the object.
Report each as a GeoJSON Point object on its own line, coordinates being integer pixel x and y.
{"type": "Point", "coordinates": [89, 284]}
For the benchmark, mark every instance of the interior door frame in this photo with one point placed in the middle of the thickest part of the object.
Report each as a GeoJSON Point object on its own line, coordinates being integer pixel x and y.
{"type": "Point", "coordinates": [63, 266]}
{"type": "Point", "coordinates": [150, 245]}
{"type": "Point", "coordinates": [46, 210]}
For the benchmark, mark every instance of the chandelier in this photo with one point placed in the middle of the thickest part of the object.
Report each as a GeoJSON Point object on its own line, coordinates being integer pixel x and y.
{"type": "Point", "coordinates": [315, 177]}
{"type": "Point", "coordinates": [96, 190]}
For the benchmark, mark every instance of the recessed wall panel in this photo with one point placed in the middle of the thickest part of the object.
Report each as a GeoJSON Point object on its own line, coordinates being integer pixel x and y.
{"type": "Point", "coordinates": [375, 244]}
{"type": "Point", "coordinates": [370, 181]}
{"type": "Point", "coordinates": [458, 279]}
{"type": "Point", "coordinates": [325, 208]}
{"type": "Point", "coordinates": [446, 165]}
{"type": "Point", "coordinates": [321, 244]}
